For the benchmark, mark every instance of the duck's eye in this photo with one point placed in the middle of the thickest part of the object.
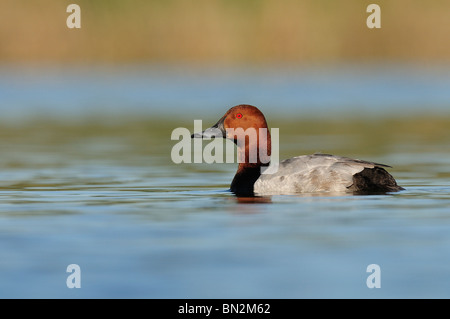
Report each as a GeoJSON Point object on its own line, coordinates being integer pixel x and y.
{"type": "Point", "coordinates": [239, 115]}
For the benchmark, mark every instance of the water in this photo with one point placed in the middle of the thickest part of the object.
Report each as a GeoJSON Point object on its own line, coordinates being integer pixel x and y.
{"type": "Point", "coordinates": [102, 192]}
{"type": "Point", "coordinates": [372, 90]}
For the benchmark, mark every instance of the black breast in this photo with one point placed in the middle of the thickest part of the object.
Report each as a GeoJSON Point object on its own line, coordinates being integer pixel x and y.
{"type": "Point", "coordinates": [243, 181]}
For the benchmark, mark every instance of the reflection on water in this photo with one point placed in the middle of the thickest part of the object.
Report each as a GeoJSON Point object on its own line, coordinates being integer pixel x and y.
{"type": "Point", "coordinates": [102, 192]}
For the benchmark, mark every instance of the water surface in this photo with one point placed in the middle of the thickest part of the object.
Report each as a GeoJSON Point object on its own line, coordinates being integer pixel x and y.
{"type": "Point", "coordinates": [103, 193]}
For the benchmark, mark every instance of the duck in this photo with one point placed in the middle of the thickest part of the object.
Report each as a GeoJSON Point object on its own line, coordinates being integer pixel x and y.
{"type": "Point", "coordinates": [316, 173]}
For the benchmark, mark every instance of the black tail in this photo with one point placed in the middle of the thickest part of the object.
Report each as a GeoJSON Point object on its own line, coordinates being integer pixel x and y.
{"type": "Point", "coordinates": [376, 180]}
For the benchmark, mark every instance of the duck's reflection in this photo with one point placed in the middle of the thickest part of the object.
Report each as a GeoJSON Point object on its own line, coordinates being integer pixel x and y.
{"type": "Point", "coordinates": [254, 199]}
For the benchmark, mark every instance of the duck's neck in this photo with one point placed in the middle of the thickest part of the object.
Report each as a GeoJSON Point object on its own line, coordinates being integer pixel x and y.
{"type": "Point", "coordinates": [249, 169]}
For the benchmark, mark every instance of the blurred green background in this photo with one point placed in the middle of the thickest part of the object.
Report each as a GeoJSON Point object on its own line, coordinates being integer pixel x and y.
{"type": "Point", "coordinates": [224, 31]}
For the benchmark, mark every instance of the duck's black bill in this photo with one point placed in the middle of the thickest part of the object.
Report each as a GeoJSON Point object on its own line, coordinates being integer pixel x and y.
{"type": "Point", "coordinates": [217, 130]}
{"type": "Point", "coordinates": [209, 133]}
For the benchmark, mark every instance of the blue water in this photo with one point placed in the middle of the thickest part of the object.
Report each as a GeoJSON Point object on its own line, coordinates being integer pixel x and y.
{"type": "Point", "coordinates": [139, 226]}
{"type": "Point", "coordinates": [174, 90]}
{"type": "Point", "coordinates": [175, 242]}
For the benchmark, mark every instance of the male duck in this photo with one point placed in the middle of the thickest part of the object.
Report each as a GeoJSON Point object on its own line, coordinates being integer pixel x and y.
{"type": "Point", "coordinates": [301, 174]}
